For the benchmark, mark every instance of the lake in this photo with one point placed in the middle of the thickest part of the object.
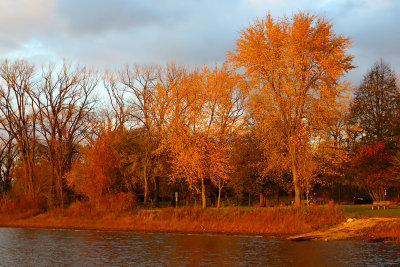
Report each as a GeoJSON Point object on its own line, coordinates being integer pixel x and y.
{"type": "Point", "coordinates": [55, 247]}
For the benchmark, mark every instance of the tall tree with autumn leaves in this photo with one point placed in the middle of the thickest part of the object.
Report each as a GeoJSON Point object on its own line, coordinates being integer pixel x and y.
{"type": "Point", "coordinates": [296, 63]}
{"type": "Point", "coordinates": [205, 118]}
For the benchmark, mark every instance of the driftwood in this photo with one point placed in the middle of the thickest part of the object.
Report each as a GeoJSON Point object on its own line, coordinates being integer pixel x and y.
{"type": "Point", "coordinates": [307, 237]}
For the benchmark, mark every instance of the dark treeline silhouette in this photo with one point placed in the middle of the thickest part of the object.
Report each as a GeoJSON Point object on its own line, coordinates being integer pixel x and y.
{"type": "Point", "coordinates": [274, 119]}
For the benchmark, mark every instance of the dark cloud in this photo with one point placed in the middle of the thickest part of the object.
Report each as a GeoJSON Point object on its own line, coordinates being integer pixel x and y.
{"type": "Point", "coordinates": [189, 32]}
{"type": "Point", "coordinates": [97, 16]}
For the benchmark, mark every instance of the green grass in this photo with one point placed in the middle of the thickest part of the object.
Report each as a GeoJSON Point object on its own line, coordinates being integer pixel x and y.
{"type": "Point", "coordinates": [355, 211]}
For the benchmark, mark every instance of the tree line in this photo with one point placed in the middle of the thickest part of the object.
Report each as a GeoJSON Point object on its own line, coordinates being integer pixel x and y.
{"type": "Point", "coordinates": [276, 116]}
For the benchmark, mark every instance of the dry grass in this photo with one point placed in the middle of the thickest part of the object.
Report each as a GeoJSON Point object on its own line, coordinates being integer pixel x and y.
{"type": "Point", "coordinates": [266, 221]}
{"type": "Point", "coordinates": [236, 220]}
{"type": "Point", "coordinates": [120, 213]}
{"type": "Point", "coordinates": [109, 205]}
{"type": "Point", "coordinates": [388, 231]}
{"type": "Point", "coordinates": [21, 208]}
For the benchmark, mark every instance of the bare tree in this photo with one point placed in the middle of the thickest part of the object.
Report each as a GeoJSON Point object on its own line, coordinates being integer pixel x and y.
{"type": "Point", "coordinates": [376, 105]}
{"type": "Point", "coordinates": [8, 154]}
{"type": "Point", "coordinates": [141, 81]}
{"type": "Point", "coordinates": [19, 114]}
{"type": "Point", "coordinates": [118, 115]}
{"type": "Point", "coordinates": [65, 100]}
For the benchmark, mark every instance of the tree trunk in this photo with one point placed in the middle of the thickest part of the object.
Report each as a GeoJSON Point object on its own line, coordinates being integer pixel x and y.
{"type": "Point", "coordinates": [262, 204]}
{"type": "Point", "coordinates": [29, 175]}
{"type": "Point", "coordinates": [156, 190]}
{"type": "Point", "coordinates": [60, 184]}
{"type": "Point", "coordinates": [296, 184]}
{"type": "Point", "coordinates": [203, 194]}
{"type": "Point", "coordinates": [219, 196]}
{"type": "Point", "coordinates": [276, 197]}
{"type": "Point", "coordinates": [249, 199]}
{"type": "Point", "coordinates": [51, 187]}
{"type": "Point", "coordinates": [145, 183]}
{"type": "Point", "coordinates": [27, 179]}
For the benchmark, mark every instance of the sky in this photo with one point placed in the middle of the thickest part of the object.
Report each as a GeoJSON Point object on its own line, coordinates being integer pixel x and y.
{"type": "Point", "coordinates": [112, 33]}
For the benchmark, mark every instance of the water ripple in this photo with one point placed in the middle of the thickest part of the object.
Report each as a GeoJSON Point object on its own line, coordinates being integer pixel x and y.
{"type": "Point", "coordinates": [45, 247]}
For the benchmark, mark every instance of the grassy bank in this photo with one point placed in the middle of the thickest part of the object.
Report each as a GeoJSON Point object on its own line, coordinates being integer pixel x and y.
{"type": "Point", "coordinates": [280, 221]}
{"type": "Point", "coordinates": [262, 221]}
{"type": "Point", "coordinates": [358, 211]}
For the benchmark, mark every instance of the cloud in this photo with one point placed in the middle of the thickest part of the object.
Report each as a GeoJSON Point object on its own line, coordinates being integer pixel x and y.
{"type": "Point", "coordinates": [189, 32]}
{"type": "Point", "coordinates": [99, 16]}
{"type": "Point", "coordinates": [7, 44]}
{"type": "Point", "coordinates": [21, 16]}
{"type": "Point", "coordinates": [105, 33]}
{"type": "Point", "coordinates": [372, 26]}
{"type": "Point", "coordinates": [20, 19]}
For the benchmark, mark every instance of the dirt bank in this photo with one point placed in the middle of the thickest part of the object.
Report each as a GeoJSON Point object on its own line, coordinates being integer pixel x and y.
{"type": "Point", "coordinates": [369, 229]}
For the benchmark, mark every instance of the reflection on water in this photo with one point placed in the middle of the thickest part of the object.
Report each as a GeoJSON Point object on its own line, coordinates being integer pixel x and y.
{"type": "Point", "coordinates": [44, 247]}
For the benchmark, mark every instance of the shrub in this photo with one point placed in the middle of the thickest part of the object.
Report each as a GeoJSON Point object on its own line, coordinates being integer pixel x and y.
{"type": "Point", "coordinates": [106, 205]}
{"type": "Point", "coordinates": [14, 206]}
{"type": "Point", "coordinates": [116, 203]}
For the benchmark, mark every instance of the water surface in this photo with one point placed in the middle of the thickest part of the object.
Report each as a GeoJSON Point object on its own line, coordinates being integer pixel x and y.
{"type": "Point", "coordinates": [47, 247]}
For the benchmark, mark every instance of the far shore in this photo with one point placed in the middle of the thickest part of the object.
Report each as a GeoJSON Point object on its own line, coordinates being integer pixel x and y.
{"type": "Point", "coordinates": [326, 223]}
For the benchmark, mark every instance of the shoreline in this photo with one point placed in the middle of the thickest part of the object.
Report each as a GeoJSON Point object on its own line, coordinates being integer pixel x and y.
{"type": "Point", "coordinates": [279, 223]}
{"type": "Point", "coordinates": [132, 230]}
{"type": "Point", "coordinates": [103, 227]}
{"type": "Point", "coordinates": [353, 229]}
{"type": "Point", "coordinates": [309, 236]}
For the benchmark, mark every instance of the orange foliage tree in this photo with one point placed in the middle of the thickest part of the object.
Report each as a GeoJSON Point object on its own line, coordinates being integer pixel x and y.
{"type": "Point", "coordinates": [109, 166]}
{"type": "Point", "coordinates": [187, 144]}
{"type": "Point", "coordinates": [225, 93]}
{"type": "Point", "coordinates": [295, 63]}
{"type": "Point", "coordinates": [373, 164]}
{"type": "Point", "coordinates": [206, 117]}
{"type": "Point", "coordinates": [272, 165]}
{"type": "Point", "coordinates": [333, 147]}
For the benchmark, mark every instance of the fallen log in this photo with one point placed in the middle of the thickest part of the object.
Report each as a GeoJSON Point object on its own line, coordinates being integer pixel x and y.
{"type": "Point", "coordinates": [307, 237]}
